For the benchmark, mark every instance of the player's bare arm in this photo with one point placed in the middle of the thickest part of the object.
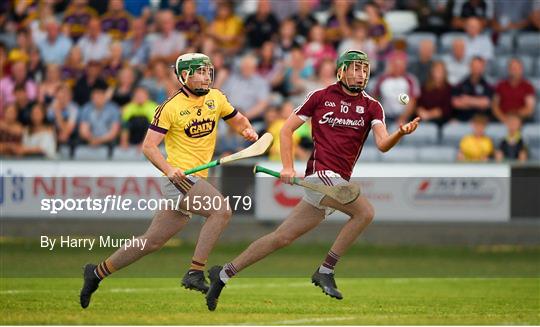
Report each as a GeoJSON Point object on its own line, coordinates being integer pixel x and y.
{"type": "Point", "coordinates": [243, 127]}
{"type": "Point", "coordinates": [385, 141]}
{"type": "Point", "coordinates": [151, 150]}
{"type": "Point", "coordinates": [286, 148]}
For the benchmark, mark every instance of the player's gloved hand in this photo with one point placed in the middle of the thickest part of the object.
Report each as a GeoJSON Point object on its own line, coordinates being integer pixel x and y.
{"type": "Point", "coordinates": [409, 127]}
{"type": "Point", "coordinates": [250, 135]}
{"type": "Point", "coordinates": [176, 175]}
{"type": "Point", "coordinates": [287, 175]}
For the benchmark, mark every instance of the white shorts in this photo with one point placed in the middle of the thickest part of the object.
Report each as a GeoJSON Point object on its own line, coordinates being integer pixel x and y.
{"type": "Point", "coordinates": [177, 192]}
{"type": "Point", "coordinates": [326, 177]}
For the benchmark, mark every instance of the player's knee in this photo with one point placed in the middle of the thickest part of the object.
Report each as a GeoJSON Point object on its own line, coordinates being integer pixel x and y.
{"type": "Point", "coordinates": [225, 214]}
{"type": "Point", "coordinates": [153, 245]}
{"type": "Point", "coordinates": [282, 239]}
{"type": "Point", "coordinates": [366, 215]}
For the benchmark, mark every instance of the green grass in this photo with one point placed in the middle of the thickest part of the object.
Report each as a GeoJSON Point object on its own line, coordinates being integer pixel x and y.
{"type": "Point", "coordinates": [381, 285]}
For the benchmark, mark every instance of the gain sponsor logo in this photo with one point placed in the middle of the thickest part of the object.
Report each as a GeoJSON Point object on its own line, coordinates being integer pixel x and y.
{"type": "Point", "coordinates": [454, 190]}
{"type": "Point", "coordinates": [330, 104]}
{"type": "Point", "coordinates": [328, 118]}
{"type": "Point", "coordinates": [199, 128]}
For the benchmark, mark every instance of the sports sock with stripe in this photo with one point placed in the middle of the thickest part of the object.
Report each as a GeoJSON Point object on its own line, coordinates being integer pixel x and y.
{"type": "Point", "coordinates": [329, 263]}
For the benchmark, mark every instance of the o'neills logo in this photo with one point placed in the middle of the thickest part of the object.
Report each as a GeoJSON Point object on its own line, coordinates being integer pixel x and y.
{"type": "Point", "coordinates": [341, 122]}
{"type": "Point", "coordinates": [200, 128]}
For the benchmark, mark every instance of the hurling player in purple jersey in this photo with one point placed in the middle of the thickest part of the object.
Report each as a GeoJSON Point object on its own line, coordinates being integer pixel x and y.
{"type": "Point", "coordinates": [342, 115]}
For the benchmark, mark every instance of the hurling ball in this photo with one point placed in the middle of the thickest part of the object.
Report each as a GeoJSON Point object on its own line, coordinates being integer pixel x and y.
{"type": "Point", "coordinates": [403, 98]}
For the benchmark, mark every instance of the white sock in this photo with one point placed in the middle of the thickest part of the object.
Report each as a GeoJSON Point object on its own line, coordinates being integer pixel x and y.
{"type": "Point", "coordinates": [324, 270]}
{"type": "Point", "coordinates": [223, 276]}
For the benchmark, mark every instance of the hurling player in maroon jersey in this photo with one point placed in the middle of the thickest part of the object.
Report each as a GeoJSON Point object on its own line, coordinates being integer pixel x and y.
{"type": "Point", "coordinates": [341, 116]}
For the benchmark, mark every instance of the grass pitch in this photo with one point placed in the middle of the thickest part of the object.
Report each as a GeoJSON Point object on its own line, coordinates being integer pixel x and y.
{"type": "Point", "coordinates": [381, 285]}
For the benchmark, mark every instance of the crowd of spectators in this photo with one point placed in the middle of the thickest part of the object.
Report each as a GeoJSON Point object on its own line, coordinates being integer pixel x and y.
{"type": "Point", "coordinates": [90, 72]}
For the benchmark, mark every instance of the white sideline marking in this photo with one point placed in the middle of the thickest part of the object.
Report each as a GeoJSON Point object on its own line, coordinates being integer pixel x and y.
{"type": "Point", "coordinates": [300, 321]}
{"type": "Point", "coordinates": [172, 289]}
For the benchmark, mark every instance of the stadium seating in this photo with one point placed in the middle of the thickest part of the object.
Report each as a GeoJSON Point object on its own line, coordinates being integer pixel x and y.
{"type": "Point", "coordinates": [414, 39]}
{"type": "Point", "coordinates": [501, 65]}
{"type": "Point", "coordinates": [453, 132]}
{"type": "Point", "coordinates": [531, 134]}
{"type": "Point", "coordinates": [370, 154]}
{"type": "Point", "coordinates": [401, 21]}
{"type": "Point", "coordinates": [528, 43]}
{"type": "Point", "coordinates": [505, 44]}
{"type": "Point", "coordinates": [437, 154]}
{"type": "Point", "coordinates": [426, 134]}
{"type": "Point", "coordinates": [401, 154]}
{"type": "Point", "coordinates": [496, 132]}
{"type": "Point", "coordinates": [448, 38]}
{"type": "Point", "coordinates": [84, 152]}
{"type": "Point", "coordinates": [129, 154]}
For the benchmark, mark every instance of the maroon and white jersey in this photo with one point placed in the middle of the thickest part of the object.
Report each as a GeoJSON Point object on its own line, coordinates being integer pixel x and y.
{"type": "Point", "coordinates": [340, 125]}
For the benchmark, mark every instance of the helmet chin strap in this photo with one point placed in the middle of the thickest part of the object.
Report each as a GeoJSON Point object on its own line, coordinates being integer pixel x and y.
{"type": "Point", "coordinates": [197, 92]}
{"type": "Point", "coordinates": [356, 89]}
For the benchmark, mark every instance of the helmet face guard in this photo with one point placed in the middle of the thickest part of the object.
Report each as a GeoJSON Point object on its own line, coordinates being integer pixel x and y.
{"type": "Point", "coordinates": [198, 67]}
{"type": "Point", "coordinates": [349, 65]}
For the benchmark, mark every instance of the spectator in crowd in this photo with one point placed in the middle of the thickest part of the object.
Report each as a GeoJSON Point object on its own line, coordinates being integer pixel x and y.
{"type": "Point", "coordinates": [100, 120]}
{"type": "Point", "coordinates": [55, 47]}
{"type": "Point", "coordinates": [158, 81]}
{"type": "Point", "coordinates": [94, 44]}
{"type": "Point", "coordinates": [378, 29]}
{"type": "Point", "coordinates": [325, 75]}
{"type": "Point", "coordinates": [37, 26]}
{"type": "Point", "coordinates": [18, 77]}
{"type": "Point", "coordinates": [221, 71]}
{"type": "Point", "coordinates": [87, 82]}
{"type": "Point", "coordinates": [77, 18]}
{"type": "Point", "coordinates": [113, 64]}
{"type": "Point", "coordinates": [463, 9]}
{"type": "Point", "coordinates": [168, 43]}
{"type": "Point", "coordinates": [63, 113]}
{"type": "Point", "coordinates": [304, 19]}
{"type": "Point", "coordinates": [22, 104]}
{"type": "Point", "coordinates": [136, 116]}
{"type": "Point", "coordinates": [395, 81]}
{"type": "Point", "coordinates": [359, 39]}
{"type": "Point", "coordinates": [35, 66]}
{"type": "Point", "coordinates": [227, 29]}
{"type": "Point", "coordinates": [38, 138]}
{"type": "Point", "coordinates": [192, 25]}
{"type": "Point", "coordinates": [476, 146]}
{"type": "Point", "coordinates": [73, 67]}
{"type": "Point", "coordinates": [512, 147]}
{"type": "Point", "coordinates": [275, 118]}
{"type": "Point", "coordinates": [297, 70]}
{"type": "Point", "coordinates": [434, 103]}
{"type": "Point", "coordinates": [514, 95]}
{"type": "Point", "coordinates": [476, 43]}
{"type": "Point", "coordinates": [11, 131]}
{"type": "Point", "coordinates": [473, 95]}
{"type": "Point", "coordinates": [511, 16]}
{"type": "Point", "coordinates": [270, 67]}
{"type": "Point", "coordinates": [288, 38]}
{"type": "Point", "coordinates": [24, 41]}
{"type": "Point", "coordinates": [338, 25]}
{"type": "Point", "coordinates": [251, 104]}
{"type": "Point", "coordinates": [136, 49]}
{"type": "Point", "coordinates": [317, 48]}
{"type": "Point", "coordinates": [433, 16]}
{"type": "Point", "coordinates": [260, 26]}
{"type": "Point", "coordinates": [116, 21]}
{"type": "Point", "coordinates": [47, 89]}
{"type": "Point", "coordinates": [123, 91]}
{"type": "Point", "coordinates": [534, 17]}
{"type": "Point", "coordinates": [457, 65]}
{"type": "Point", "coordinates": [421, 67]}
